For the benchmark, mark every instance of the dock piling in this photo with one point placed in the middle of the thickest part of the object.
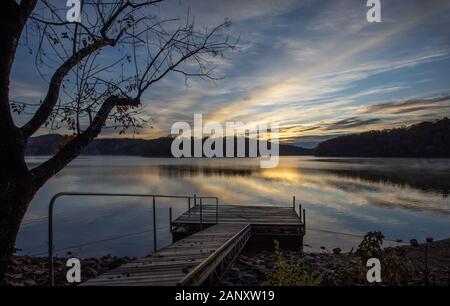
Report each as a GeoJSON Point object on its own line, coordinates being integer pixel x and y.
{"type": "Point", "coordinates": [201, 213]}
{"type": "Point", "coordinates": [189, 206]}
{"type": "Point", "coordinates": [154, 224]}
{"type": "Point", "coordinates": [170, 218]}
{"type": "Point", "coordinates": [217, 210]}
{"type": "Point", "coordinates": [304, 221]}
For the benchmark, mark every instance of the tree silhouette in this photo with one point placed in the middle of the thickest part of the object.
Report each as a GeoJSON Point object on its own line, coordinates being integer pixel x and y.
{"type": "Point", "coordinates": [426, 139]}
{"type": "Point", "coordinates": [97, 70]}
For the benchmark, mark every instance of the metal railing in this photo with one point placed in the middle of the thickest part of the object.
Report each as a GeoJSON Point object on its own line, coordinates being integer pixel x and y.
{"type": "Point", "coordinates": [238, 241]}
{"type": "Point", "coordinates": [102, 194]}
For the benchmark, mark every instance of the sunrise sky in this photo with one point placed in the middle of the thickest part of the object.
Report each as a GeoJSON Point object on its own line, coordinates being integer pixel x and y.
{"type": "Point", "coordinates": [315, 66]}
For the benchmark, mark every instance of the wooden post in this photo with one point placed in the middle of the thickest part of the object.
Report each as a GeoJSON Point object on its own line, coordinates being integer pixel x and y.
{"type": "Point", "coordinates": [426, 263]}
{"type": "Point", "coordinates": [201, 214]}
{"type": "Point", "coordinates": [195, 200]}
{"type": "Point", "coordinates": [170, 218]}
{"type": "Point", "coordinates": [189, 206]}
{"type": "Point", "coordinates": [154, 225]}
{"type": "Point", "coordinates": [217, 210]}
{"type": "Point", "coordinates": [293, 202]}
{"type": "Point", "coordinates": [300, 228]}
{"type": "Point", "coordinates": [304, 221]}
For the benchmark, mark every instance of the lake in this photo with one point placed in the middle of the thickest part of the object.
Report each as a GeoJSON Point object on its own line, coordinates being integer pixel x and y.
{"type": "Point", "coordinates": [403, 198]}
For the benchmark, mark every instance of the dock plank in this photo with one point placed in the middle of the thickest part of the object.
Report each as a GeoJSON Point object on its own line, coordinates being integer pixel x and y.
{"type": "Point", "coordinates": [171, 264]}
{"type": "Point", "coordinates": [239, 214]}
{"type": "Point", "coordinates": [192, 259]}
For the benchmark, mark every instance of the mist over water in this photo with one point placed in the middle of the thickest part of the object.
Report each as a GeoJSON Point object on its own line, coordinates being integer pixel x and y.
{"type": "Point", "coordinates": [403, 198]}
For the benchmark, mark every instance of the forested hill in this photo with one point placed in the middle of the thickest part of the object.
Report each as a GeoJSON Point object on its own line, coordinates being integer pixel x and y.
{"type": "Point", "coordinates": [426, 139]}
{"type": "Point", "coordinates": [161, 147]}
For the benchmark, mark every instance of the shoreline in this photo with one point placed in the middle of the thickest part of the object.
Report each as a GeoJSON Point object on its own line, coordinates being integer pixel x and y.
{"type": "Point", "coordinates": [405, 267]}
{"type": "Point", "coordinates": [33, 271]}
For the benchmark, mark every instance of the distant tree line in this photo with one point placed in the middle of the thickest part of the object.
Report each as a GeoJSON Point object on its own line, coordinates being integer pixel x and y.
{"type": "Point", "coordinates": [426, 139]}
{"type": "Point", "coordinates": [160, 147]}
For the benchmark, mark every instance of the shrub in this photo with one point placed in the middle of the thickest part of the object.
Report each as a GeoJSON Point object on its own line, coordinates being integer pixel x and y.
{"type": "Point", "coordinates": [370, 246]}
{"type": "Point", "coordinates": [289, 273]}
{"type": "Point", "coordinates": [393, 268]}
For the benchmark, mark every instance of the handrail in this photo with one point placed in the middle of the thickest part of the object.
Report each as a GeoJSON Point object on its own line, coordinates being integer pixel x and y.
{"type": "Point", "coordinates": [154, 196]}
{"type": "Point", "coordinates": [187, 280]}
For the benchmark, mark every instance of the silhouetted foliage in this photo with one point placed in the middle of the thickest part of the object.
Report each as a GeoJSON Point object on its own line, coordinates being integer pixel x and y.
{"type": "Point", "coordinates": [159, 147]}
{"type": "Point", "coordinates": [291, 272]}
{"type": "Point", "coordinates": [426, 139]}
{"type": "Point", "coordinates": [97, 70]}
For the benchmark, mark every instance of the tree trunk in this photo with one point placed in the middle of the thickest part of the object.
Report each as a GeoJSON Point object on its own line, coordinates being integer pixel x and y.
{"type": "Point", "coordinates": [13, 206]}
{"type": "Point", "coordinates": [18, 185]}
{"type": "Point", "coordinates": [17, 189]}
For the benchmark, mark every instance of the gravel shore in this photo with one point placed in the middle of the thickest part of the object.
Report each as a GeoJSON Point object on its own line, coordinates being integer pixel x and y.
{"type": "Point", "coordinates": [33, 271]}
{"type": "Point", "coordinates": [404, 265]}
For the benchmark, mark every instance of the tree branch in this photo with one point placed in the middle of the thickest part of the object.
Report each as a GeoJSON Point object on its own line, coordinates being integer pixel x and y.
{"type": "Point", "coordinates": [46, 108]}
{"type": "Point", "coordinates": [12, 20]}
{"type": "Point", "coordinates": [50, 100]}
{"type": "Point", "coordinates": [119, 11]}
{"type": "Point", "coordinates": [74, 146]}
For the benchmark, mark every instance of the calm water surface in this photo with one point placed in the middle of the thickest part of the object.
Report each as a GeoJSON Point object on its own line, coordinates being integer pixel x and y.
{"type": "Point", "coordinates": [403, 198]}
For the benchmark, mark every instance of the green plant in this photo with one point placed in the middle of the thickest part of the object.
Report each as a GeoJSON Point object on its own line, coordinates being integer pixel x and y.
{"type": "Point", "coordinates": [289, 273]}
{"type": "Point", "coordinates": [370, 246]}
{"type": "Point", "coordinates": [393, 267]}
{"type": "Point", "coordinates": [394, 270]}
{"type": "Point", "coordinates": [342, 277]}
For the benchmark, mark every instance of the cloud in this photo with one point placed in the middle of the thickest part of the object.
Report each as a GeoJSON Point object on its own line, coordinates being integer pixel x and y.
{"type": "Point", "coordinates": [329, 74]}
{"type": "Point", "coordinates": [343, 15]}
{"type": "Point", "coordinates": [316, 67]}
{"type": "Point", "coordinates": [20, 90]}
{"type": "Point", "coordinates": [211, 12]}
{"type": "Point", "coordinates": [376, 116]}
{"type": "Point", "coordinates": [410, 106]}
{"type": "Point", "coordinates": [349, 123]}
{"type": "Point", "coordinates": [328, 128]}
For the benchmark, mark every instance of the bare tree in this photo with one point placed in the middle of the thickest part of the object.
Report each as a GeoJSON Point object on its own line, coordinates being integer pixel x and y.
{"type": "Point", "coordinates": [97, 71]}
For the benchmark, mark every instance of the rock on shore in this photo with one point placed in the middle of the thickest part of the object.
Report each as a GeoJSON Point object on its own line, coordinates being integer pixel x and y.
{"type": "Point", "coordinates": [33, 271]}
{"type": "Point", "coordinates": [405, 265]}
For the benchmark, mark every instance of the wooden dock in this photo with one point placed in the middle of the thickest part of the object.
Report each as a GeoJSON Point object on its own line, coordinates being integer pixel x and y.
{"type": "Point", "coordinates": [239, 214]}
{"type": "Point", "coordinates": [190, 261]}
{"type": "Point", "coordinates": [207, 240]}
{"type": "Point", "coordinates": [276, 221]}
